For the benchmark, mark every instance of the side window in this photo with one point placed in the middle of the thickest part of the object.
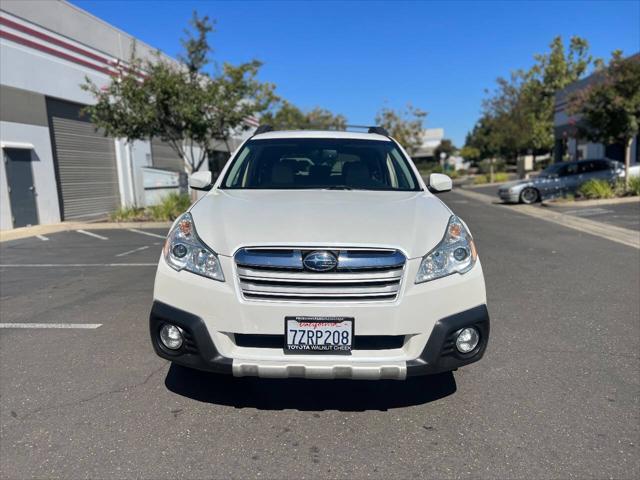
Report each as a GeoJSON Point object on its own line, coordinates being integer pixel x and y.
{"type": "Point", "coordinates": [586, 167]}
{"type": "Point", "coordinates": [570, 169]}
{"type": "Point", "coordinates": [601, 165]}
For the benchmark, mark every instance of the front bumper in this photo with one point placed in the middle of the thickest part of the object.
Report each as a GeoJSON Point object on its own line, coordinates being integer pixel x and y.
{"type": "Point", "coordinates": [509, 197]}
{"type": "Point", "coordinates": [218, 319]}
{"type": "Point", "coordinates": [438, 355]}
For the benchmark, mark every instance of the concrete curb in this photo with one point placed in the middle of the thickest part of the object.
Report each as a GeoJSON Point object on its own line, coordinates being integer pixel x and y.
{"type": "Point", "coordinates": [26, 232]}
{"type": "Point", "coordinates": [591, 203]}
{"type": "Point", "coordinates": [494, 184]}
{"type": "Point", "coordinates": [624, 236]}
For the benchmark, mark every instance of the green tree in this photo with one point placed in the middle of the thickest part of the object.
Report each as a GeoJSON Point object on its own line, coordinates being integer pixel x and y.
{"type": "Point", "coordinates": [406, 126]}
{"type": "Point", "coordinates": [290, 117]}
{"type": "Point", "coordinates": [447, 147]}
{"type": "Point", "coordinates": [182, 104]}
{"type": "Point", "coordinates": [518, 115]}
{"type": "Point", "coordinates": [482, 138]}
{"type": "Point", "coordinates": [552, 72]}
{"type": "Point", "coordinates": [470, 153]}
{"type": "Point", "coordinates": [609, 109]}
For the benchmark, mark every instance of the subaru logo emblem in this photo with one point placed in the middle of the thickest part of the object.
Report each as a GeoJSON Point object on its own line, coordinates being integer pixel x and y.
{"type": "Point", "coordinates": [320, 261]}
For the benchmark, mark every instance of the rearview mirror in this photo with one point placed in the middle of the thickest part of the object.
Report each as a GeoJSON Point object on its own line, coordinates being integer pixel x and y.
{"type": "Point", "coordinates": [201, 181]}
{"type": "Point", "coordinates": [439, 183]}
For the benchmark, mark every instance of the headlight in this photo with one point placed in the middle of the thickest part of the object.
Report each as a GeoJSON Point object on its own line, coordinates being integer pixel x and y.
{"type": "Point", "coordinates": [183, 250]}
{"type": "Point", "coordinates": [456, 253]}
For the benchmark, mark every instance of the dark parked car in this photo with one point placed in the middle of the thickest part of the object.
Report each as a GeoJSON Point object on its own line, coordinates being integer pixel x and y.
{"type": "Point", "coordinates": [559, 180]}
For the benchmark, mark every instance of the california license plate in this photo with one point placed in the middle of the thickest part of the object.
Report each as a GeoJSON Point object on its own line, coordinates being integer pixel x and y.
{"type": "Point", "coordinates": [318, 334]}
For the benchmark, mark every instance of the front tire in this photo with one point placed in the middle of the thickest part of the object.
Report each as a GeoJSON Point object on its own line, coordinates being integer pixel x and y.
{"type": "Point", "coordinates": [529, 195]}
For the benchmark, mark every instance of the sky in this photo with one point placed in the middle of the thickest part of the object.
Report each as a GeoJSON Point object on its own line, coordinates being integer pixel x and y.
{"type": "Point", "coordinates": [357, 57]}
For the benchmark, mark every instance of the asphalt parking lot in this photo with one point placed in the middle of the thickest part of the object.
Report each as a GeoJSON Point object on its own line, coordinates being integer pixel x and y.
{"type": "Point", "coordinates": [625, 215]}
{"type": "Point", "coordinates": [556, 396]}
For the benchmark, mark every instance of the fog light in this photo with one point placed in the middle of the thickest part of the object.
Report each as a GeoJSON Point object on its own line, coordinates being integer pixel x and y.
{"type": "Point", "coordinates": [467, 340]}
{"type": "Point", "coordinates": [171, 336]}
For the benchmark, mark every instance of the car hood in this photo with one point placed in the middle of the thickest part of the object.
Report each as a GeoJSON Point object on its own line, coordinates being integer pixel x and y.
{"type": "Point", "coordinates": [413, 222]}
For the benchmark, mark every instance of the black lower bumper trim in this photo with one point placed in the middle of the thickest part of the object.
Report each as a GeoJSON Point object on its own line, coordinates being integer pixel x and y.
{"type": "Point", "coordinates": [440, 354]}
{"type": "Point", "coordinates": [198, 350]}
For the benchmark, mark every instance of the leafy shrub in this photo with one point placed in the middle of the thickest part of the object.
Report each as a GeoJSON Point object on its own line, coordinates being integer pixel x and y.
{"type": "Point", "coordinates": [427, 169]}
{"type": "Point", "coordinates": [597, 189]}
{"type": "Point", "coordinates": [634, 185]}
{"type": "Point", "coordinates": [498, 177]}
{"type": "Point", "coordinates": [171, 207]}
{"type": "Point", "coordinates": [128, 214]}
{"type": "Point", "coordinates": [485, 166]}
{"type": "Point", "coordinates": [480, 179]}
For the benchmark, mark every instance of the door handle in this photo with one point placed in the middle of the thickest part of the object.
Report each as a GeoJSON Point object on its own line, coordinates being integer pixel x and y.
{"type": "Point", "coordinates": [32, 188]}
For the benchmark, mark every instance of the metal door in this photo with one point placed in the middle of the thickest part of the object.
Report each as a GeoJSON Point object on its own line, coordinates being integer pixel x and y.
{"type": "Point", "coordinates": [22, 191]}
{"type": "Point", "coordinates": [85, 163]}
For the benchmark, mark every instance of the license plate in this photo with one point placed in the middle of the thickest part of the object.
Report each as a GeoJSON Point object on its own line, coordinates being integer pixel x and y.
{"type": "Point", "coordinates": [318, 334]}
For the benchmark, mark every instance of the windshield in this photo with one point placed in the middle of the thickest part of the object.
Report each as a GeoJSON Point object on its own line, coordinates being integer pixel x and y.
{"type": "Point", "coordinates": [319, 163]}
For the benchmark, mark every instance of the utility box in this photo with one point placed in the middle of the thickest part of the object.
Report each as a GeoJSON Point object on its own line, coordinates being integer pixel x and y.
{"type": "Point", "coordinates": [525, 165]}
{"type": "Point", "coordinates": [158, 184]}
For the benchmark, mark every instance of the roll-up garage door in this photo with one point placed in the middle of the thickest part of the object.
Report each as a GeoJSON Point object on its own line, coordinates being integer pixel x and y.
{"type": "Point", "coordinates": [85, 162]}
{"type": "Point", "coordinates": [163, 156]}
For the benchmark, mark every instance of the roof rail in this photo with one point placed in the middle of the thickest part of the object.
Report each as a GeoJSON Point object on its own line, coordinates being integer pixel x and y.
{"type": "Point", "coordinates": [263, 129]}
{"type": "Point", "coordinates": [379, 131]}
{"type": "Point", "coordinates": [371, 129]}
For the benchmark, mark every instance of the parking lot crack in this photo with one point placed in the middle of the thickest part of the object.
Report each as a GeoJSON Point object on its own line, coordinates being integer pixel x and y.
{"type": "Point", "coordinates": [96, 396]}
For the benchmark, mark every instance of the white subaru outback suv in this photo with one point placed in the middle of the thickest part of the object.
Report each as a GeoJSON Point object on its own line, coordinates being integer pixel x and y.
{"type": "Point", "coordinates": [320, 254]}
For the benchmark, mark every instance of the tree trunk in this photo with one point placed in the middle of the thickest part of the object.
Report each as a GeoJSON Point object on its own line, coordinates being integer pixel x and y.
{"type": "Point", "coordinates": [491, 176]}
{"type": "Point", "coordinates": [627, 162]}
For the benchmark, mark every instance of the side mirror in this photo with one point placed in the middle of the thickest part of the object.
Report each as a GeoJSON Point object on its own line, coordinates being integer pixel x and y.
{"type": "Point", "coordinates": [439, 183]}
{"type": "Point", "coordinates": [201, 181]}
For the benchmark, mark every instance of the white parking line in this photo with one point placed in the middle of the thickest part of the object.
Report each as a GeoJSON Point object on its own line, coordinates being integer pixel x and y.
{"type": "Point", "coordinates": [91, 234]}
{"type": "Point", "coordinates": [61, 265]}
{"type": "Point", "coordinates": [142, 232]}
{"type": "Point", "coordinates": [84, 326]}
{"type": "Point", "coordinates": [42, 237]}
{"type": "Point", "coordinates": [131, 251]}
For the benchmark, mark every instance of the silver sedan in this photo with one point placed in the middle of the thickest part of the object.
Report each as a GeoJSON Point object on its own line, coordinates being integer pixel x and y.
{"type": "Point", "coordinates": [559, 179]}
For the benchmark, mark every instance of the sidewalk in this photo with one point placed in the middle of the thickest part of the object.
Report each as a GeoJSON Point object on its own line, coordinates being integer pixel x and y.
{"type": "Point", "coordinates": [589, 203]}
{"type": "Point", "coordinates": [25, 232]}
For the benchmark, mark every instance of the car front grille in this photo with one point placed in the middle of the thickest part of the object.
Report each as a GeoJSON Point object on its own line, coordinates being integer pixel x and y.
{"type": "Point", "coordinates": [279, 274]}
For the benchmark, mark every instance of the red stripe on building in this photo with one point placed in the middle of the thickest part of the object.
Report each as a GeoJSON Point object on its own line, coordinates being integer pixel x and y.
{"type": "Point", "coordinates": [53, 40]}
{"type": "Point", "coordinates": [54, 52]}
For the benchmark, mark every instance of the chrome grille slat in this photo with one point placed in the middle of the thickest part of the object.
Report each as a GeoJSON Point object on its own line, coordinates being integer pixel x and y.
{"type": "Point", "coordinates": [278, 274]}
{"type": "Point", "coordinates": [285, 276]}
{"type": "Point", "coordinates": [319, 291]}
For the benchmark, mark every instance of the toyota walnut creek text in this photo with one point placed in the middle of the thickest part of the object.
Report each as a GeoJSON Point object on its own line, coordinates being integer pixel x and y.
{"type": "Point", "coordinates": [320, 254]}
